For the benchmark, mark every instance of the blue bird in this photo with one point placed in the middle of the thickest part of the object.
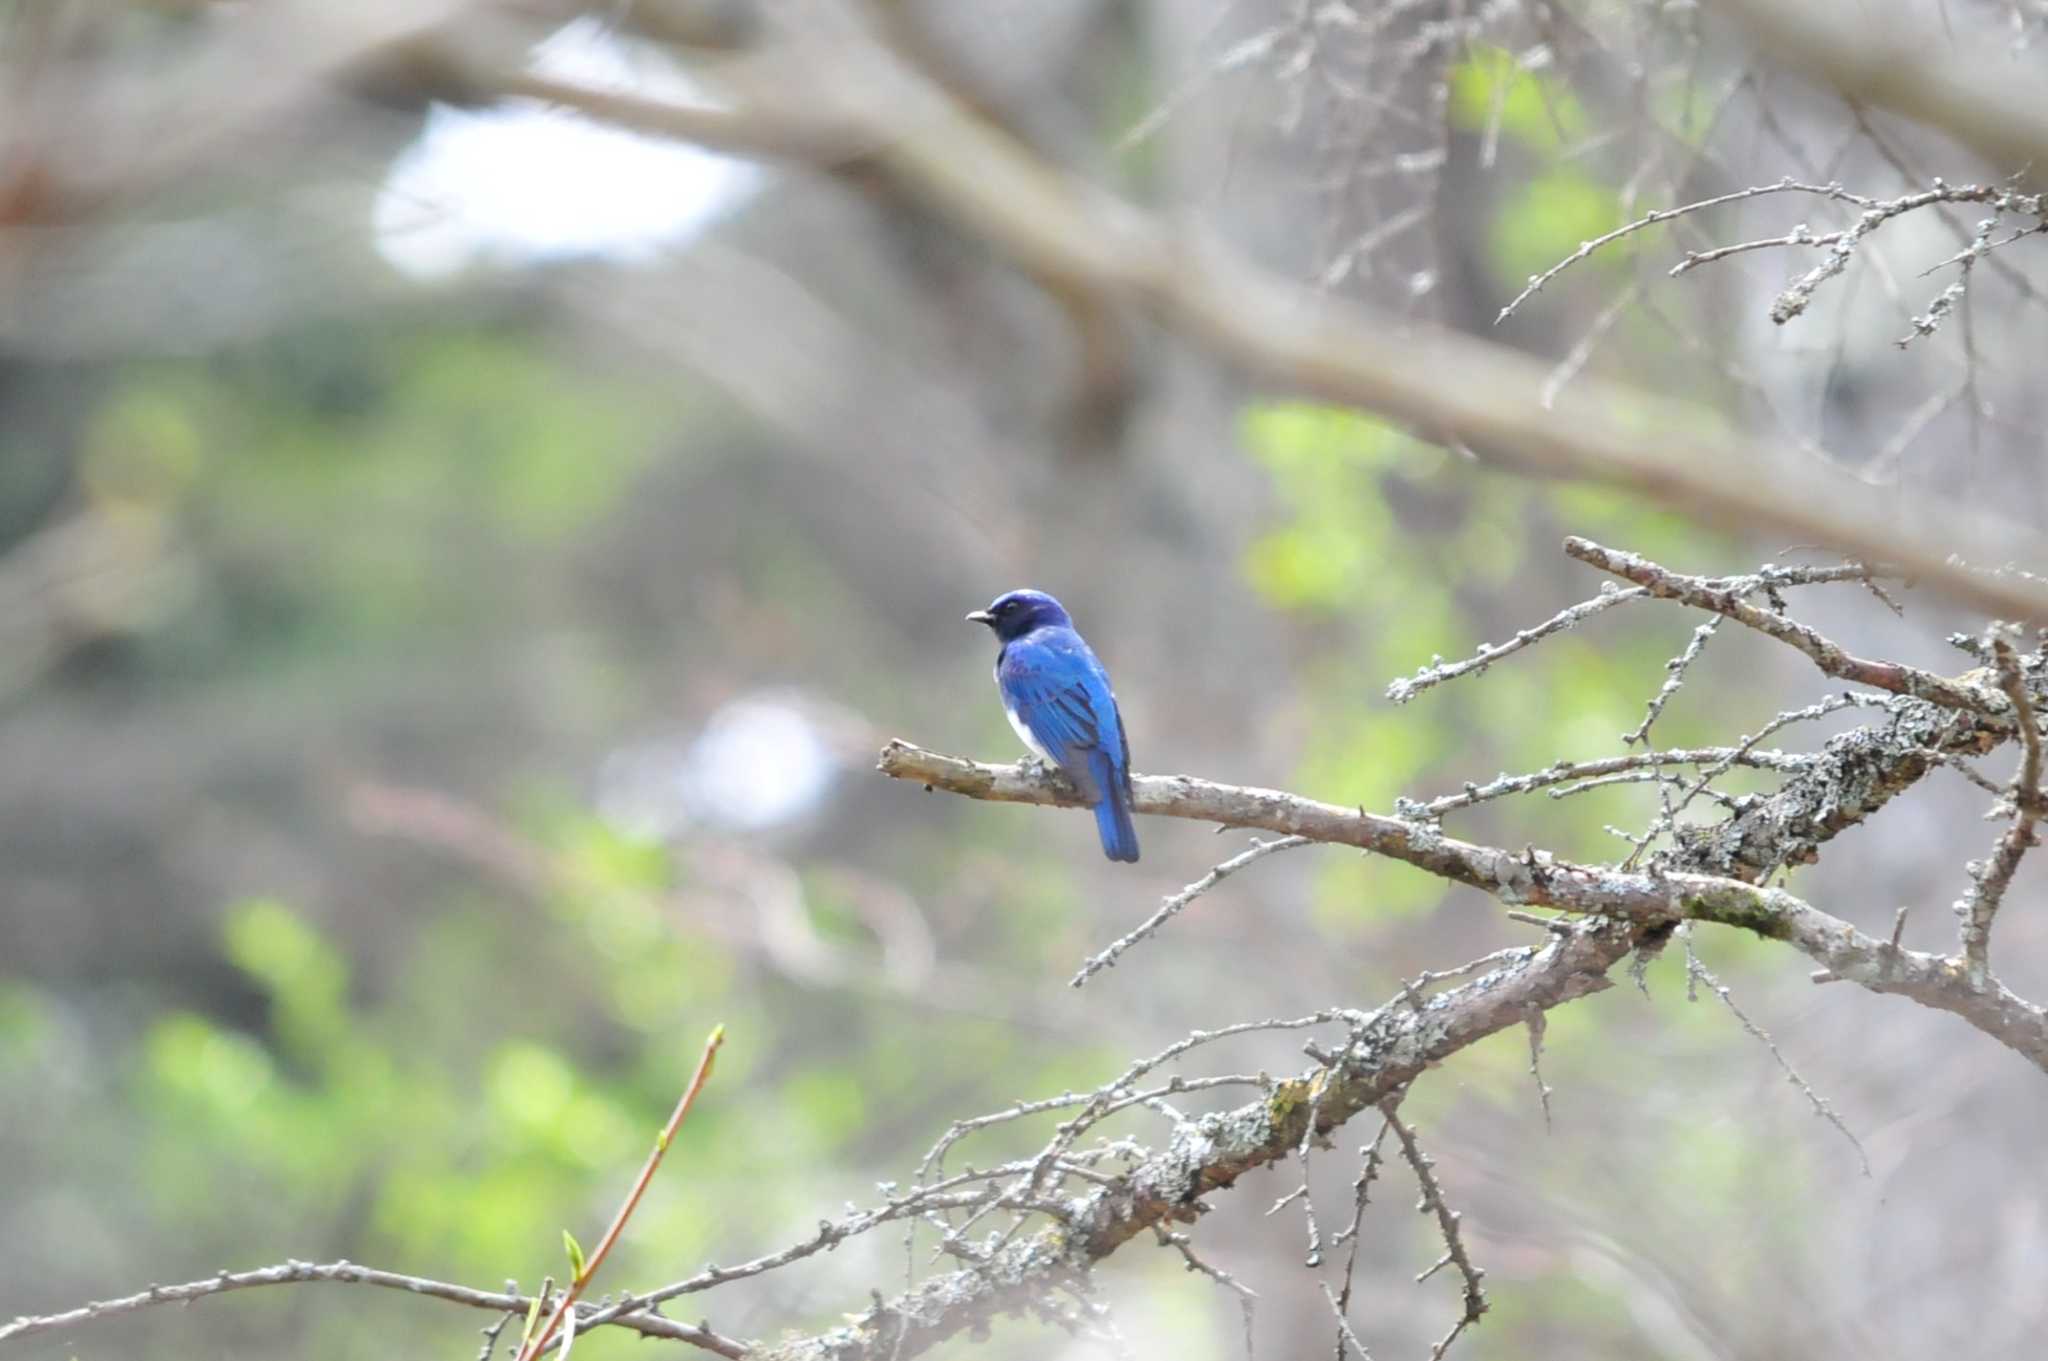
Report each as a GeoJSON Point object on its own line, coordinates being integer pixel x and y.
{"type": "Point", "coordinates": [1059, 701]}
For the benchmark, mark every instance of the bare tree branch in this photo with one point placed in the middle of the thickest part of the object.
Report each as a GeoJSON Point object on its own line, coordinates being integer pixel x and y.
{"type": "Point", "coordinates": [1388, 1049]}
{"type": "Point", "coordinates": [1656, 896]}
{"type": "Point", "coordinates": [1408, 687]}
{"type": "Point", "coordinates": [1878, 54]}
{"type": "Point", "coordinates": [643, 1321]}
{"type": "Point", "coordinates": [1107, 957]}
{"type": "Point", "coordinates": [1827, 655]}
{"type": "Point", "coordinates": [1991, 879]}
{"type": "Point", "coordinates": [1059, 229]}
{"type": "Point", "coordinates": [1696, 973]}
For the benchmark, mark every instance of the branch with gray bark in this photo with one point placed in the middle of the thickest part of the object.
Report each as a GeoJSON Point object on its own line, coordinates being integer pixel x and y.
{"type": "Point", "coordinates": [1069, 1207]}
{"type": "Point", "coordinates": [1715, 872]}
{"type": "Point", "coordinates": [1378, 1055]}
{"type": "Point", "coordinates": [861, 104]}
{"type": "Point", "coordinates": [903, 125]}
{"type": "Point", "coordinates": [1654, 897]}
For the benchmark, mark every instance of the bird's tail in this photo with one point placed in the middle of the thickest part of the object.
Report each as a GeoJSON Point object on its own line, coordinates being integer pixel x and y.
{"type": "Point", "coordinates": [1113, 821]}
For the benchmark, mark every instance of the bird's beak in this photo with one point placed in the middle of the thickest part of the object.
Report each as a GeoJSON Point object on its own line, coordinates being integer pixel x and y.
{"type": "Point", "coordinates": [981, 617]}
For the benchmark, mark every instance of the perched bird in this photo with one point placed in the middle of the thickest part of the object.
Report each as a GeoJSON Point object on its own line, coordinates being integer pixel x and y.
{"type": "Point", "coordinates": [1059, 701]}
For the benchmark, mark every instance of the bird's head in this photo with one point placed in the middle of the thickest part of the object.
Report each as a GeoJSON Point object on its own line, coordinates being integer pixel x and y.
{"type": "Point", "coordinates": [1016, 613]}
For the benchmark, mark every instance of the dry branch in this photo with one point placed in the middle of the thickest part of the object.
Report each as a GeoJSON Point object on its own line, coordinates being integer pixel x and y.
{"type": "Point", "coordinates": [1447, 1220]}
{"type": "Point", "coordinates": [1993, 877]}
{"type": "Point", "coordinates": [1658, 896]}
{"type": "Point", "coordinates": [857, 94]}
{"type": "Point", "coordinates": [1826, 654]}
{"type": "Point", "coordinates": [642, 1321]}
{"type": "Point", "coordinates": [1389, 1048]}
{"type": "Point", "coordinates": [1881, 55]}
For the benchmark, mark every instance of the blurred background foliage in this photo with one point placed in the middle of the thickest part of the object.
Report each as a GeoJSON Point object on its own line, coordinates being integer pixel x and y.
{"type": "Point", "coordinates": [421, 721]}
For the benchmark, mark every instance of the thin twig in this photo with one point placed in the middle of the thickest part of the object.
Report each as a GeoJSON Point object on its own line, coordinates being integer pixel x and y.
{"type": "Point", "coordinates": [1637, 765]}
{"type": "Point", "coordinates": [587, 1270]}
{"type": "Point", "coordinates": [349, 1273]}
{"type": "Point", "coordinates": [1361, 1195]}
{"type": "Point", "coordinates": [1438, 671]}
{"type": "Point", "coordinates": [1717, 596]}
{"type": "Point", "coordinates": [1695, 970]}
{"type": "Point", "coordinates": [1345, 1336]}
{"type": "Point", "coordinates": [1674, 677]}
{"type": "Point", "coordinates": [1667, 820]}
{"type": "Point", "coordinates": [1951, 297]}
{"type": "Point", "coordinates": [491, 1333]}
{"type": "Point", "coordinates": [1447, 1222]}
{"type": "Point", "coordinates": [1579, 355]}
{"type": "Point", "coordinates": [1107, 957]}
{"type": "Point", "coordinates": [1538, 1023]}
{"type": "Point", "coordinates": [1247, 1298]}
{"type": "Point", "coordinates": [1308, 1200]}
{"type": "Point", "coordinates": [1587, 248]}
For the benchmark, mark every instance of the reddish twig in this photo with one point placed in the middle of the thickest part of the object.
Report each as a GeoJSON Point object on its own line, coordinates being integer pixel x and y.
{"type": "Point", "coordinates": [585, 1271]}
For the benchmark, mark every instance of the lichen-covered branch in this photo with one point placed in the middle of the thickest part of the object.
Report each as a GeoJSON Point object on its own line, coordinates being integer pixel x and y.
{"type": "Point", "coordinates": [1658, 895]}
{"type": "Point", "coordinates": [1387, 1049]}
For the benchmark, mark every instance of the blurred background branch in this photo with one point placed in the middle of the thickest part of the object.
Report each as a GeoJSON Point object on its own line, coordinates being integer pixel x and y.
{"type": "Point", "coordinates": [481, 479]}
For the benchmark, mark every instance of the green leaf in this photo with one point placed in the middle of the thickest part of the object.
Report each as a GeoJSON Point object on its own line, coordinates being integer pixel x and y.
{"type": "Point", "coordinates": [575, 1251]}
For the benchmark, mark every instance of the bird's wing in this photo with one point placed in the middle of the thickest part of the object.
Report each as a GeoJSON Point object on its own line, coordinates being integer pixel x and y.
{"type": "Point", "coordinates": [1061, 694]}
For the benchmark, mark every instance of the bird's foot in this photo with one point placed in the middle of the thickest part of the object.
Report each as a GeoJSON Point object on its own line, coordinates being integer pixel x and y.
{"type": "Point", "coordinates": [1035, 766]}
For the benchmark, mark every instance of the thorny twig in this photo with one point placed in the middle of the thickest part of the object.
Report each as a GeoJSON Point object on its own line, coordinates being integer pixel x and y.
{"type": "Point", "coordinates": [1361, 1194]}
{"type": "Point", "coordinates": [1697, 972]}
{"type": "Point", "coordinates": [1674, 677]}
{"type": "Point", "coordinates": [1447, 1222]}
